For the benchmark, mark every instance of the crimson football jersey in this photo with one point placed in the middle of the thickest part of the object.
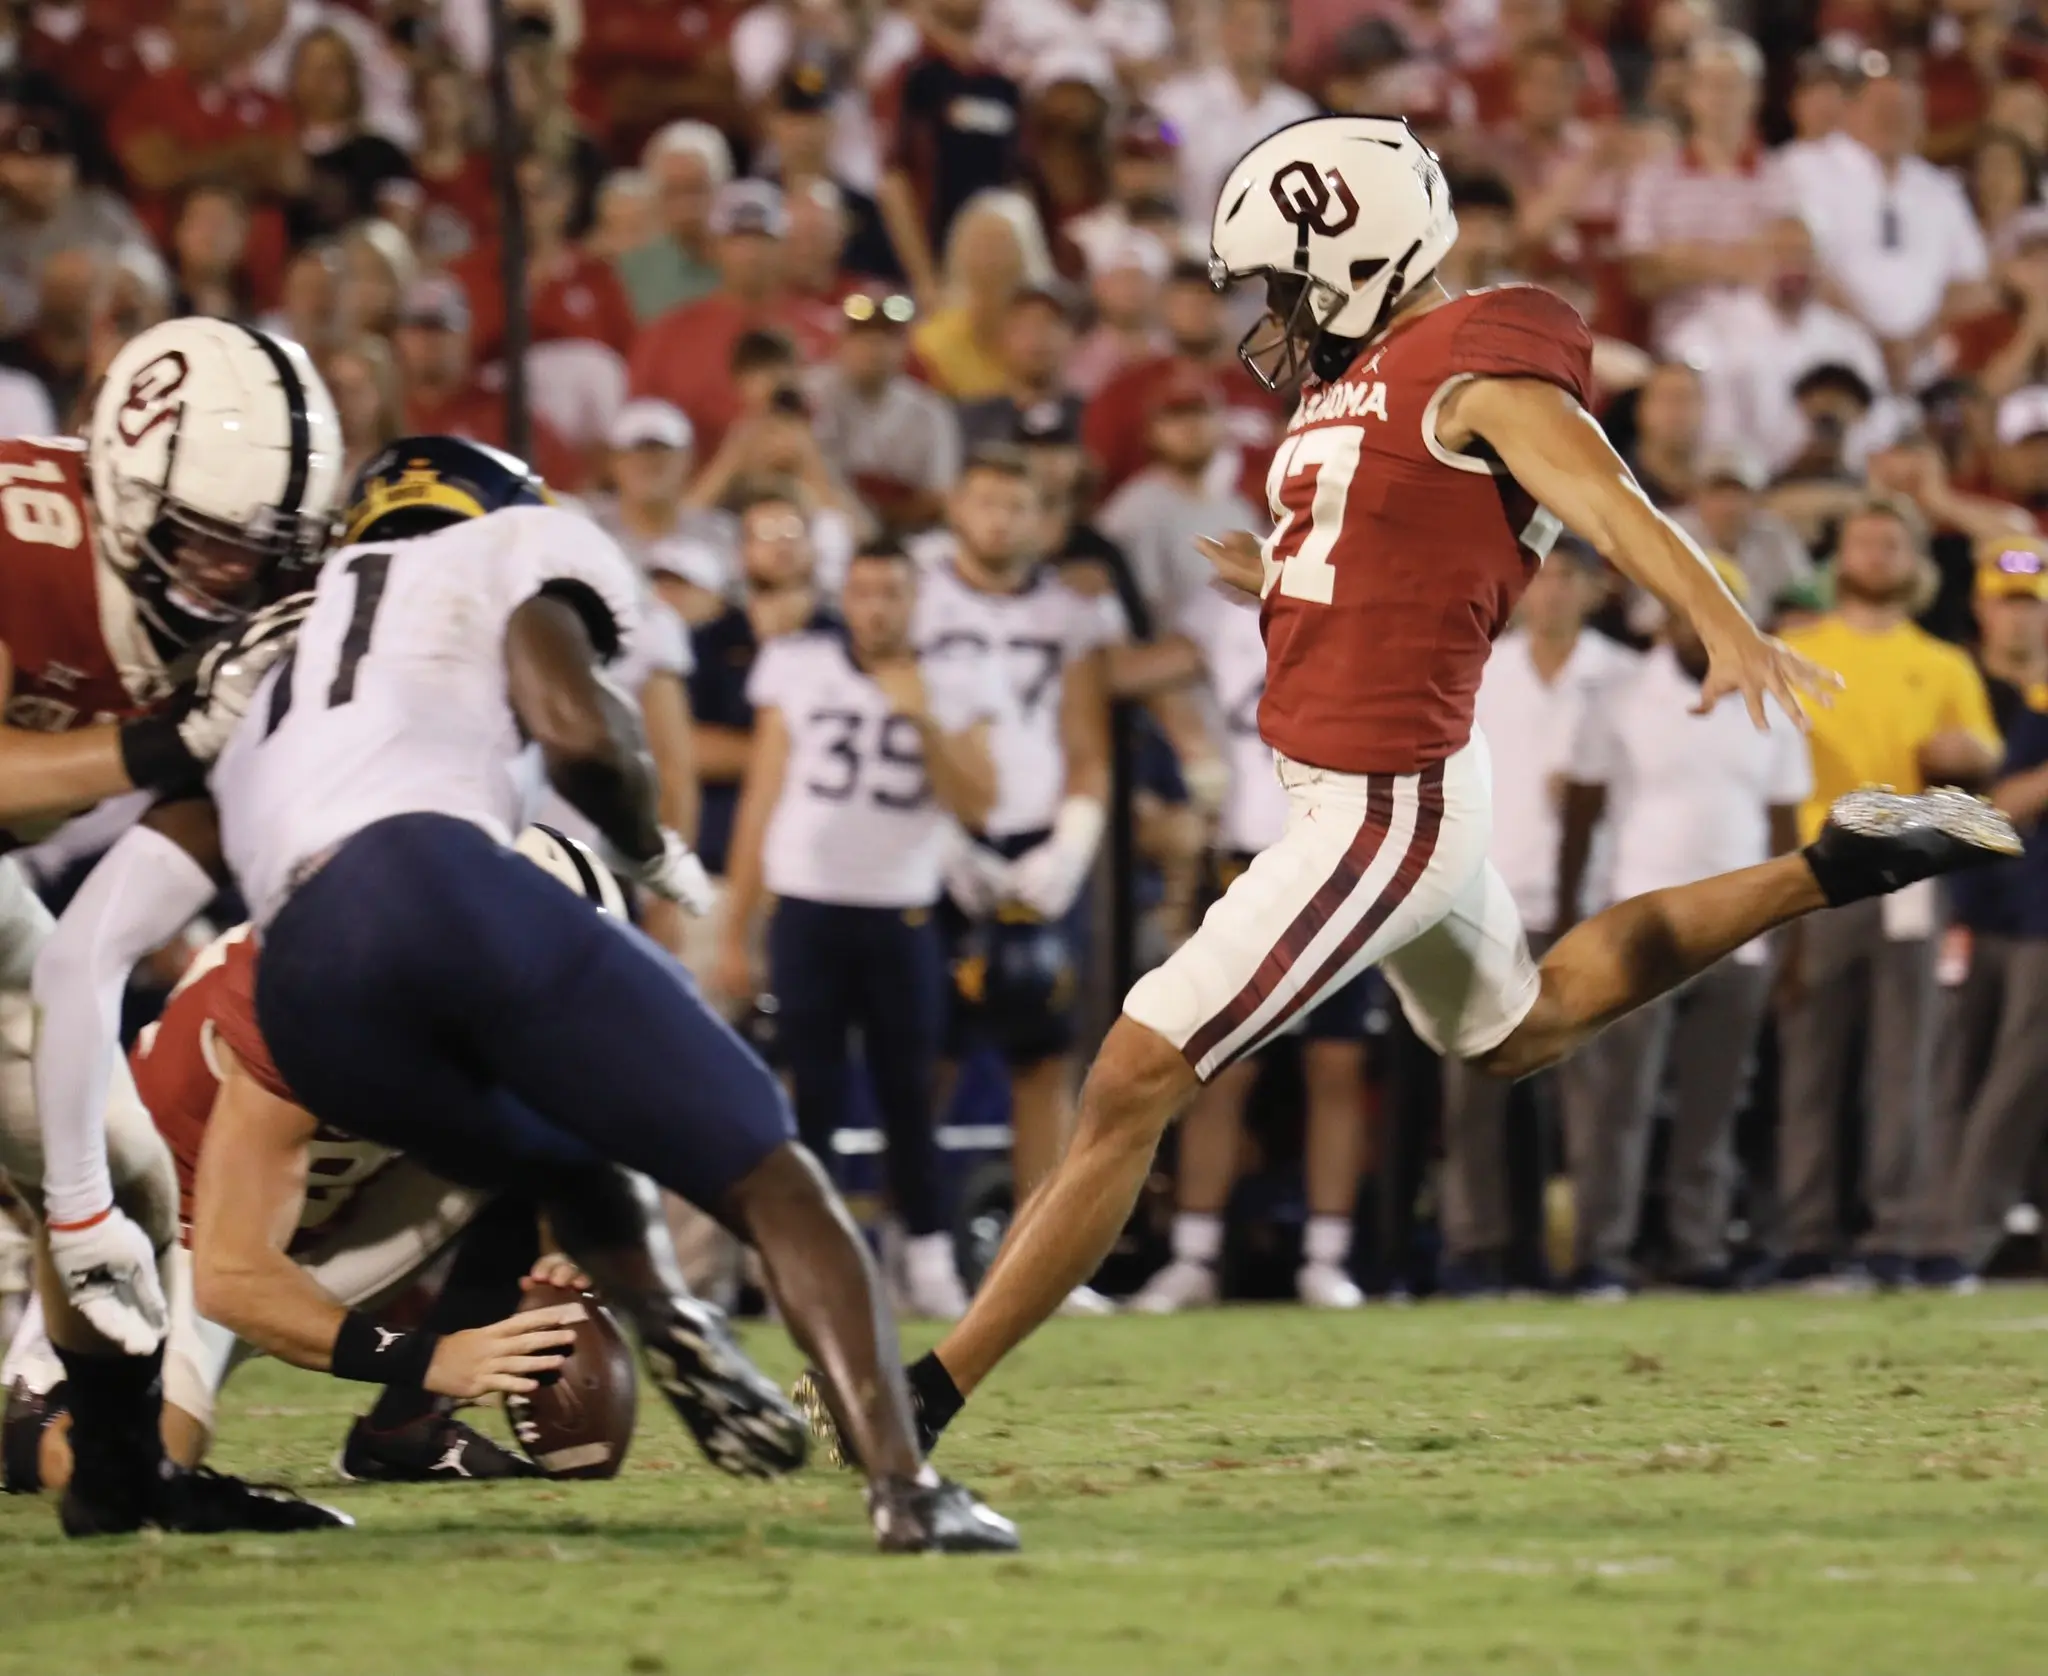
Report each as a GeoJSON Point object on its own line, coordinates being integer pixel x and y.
{"type": "Point", "coordinates": [79, 652]}
{"type": "Point", "coordinates": [1394, 562]}
{"type": "Point", "coordinates": [175, 1062]}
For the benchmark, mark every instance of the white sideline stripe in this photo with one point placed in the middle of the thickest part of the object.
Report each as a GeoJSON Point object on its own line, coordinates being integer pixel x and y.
{"type": "Point", "coordinates": [952, 1137]}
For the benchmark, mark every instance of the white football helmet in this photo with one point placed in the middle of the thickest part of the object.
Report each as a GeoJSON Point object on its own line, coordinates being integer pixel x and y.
{"type": "Point", "coordinates": [1341, 216]}
{"type": "Point", "coordinates": [215, 455]}
{"type": "Point", "coordinates": [576, 865]}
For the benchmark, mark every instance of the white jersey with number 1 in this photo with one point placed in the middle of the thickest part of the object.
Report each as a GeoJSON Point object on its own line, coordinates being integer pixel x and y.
{"type": "Point", "coordinates": [394, 699]}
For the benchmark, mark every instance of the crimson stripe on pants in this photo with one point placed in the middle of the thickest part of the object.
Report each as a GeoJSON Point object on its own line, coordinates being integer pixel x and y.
{"type": "Point", "coordinates": [1429, 817]}
{"type": "Point", "coordinates": [1293, 943]}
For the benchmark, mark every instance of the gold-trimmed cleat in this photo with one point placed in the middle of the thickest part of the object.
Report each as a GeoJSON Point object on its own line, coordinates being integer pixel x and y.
{"type": "Point", "coordinates": [1877, 840]}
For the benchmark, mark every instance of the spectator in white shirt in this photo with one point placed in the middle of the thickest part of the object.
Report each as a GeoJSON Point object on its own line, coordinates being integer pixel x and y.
{"type": "Point", "coordinates": [1135, 36]}
{"type": "Point", "coordinates": [1692, 225]}
{"type": "Point", "coordinates": [1820, 94]}
{"type": "Point", "coordinates": [1143, 178]}
{"type": "Point", "coordinates": [1753, 345]}
{"type": "Point", "coordinates": [1224, 111]}
{"type": "Point", "coordinates": [684, 551]}
{"type": "Point", "coordinates": [1895, 233]}
{"type": "Point", "coordinates": [769, 37]}
{"type": "Point", "coordinates": [1543, 676]}
{"type": "Point", "coordinates": [1684, 796]}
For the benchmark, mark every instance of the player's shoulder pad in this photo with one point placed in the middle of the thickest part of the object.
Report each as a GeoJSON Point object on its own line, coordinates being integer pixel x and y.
{"type": "Point", "coordinates": [1524, 331]}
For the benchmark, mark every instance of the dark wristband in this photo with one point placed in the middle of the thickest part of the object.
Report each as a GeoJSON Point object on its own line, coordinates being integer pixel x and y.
{"type": "Point", "coordinates": [155, 757]}
{"type": "Point", "coordinates": [379, 1355]}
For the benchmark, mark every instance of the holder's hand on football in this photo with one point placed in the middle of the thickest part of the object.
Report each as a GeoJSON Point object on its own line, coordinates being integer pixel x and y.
{"type": "Point", "coordinates": [507, 1356]}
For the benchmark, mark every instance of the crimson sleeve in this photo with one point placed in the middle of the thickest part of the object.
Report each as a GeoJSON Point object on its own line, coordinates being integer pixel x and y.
{"type": "Point", "coordinates": [1524, 331]}
{"type": "Point", "coordinates": [234, 1020]}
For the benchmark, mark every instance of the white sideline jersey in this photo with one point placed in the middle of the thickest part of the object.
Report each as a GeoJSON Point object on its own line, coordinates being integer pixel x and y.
{"type": "Point", "coordinates": [1031, 637]}
{"type": "Point", "coordinates": [1234, 655]}
{"type": "Point", "coordinates": [393, 701]}
{"type": "Point", "coordinates": [856, 823]}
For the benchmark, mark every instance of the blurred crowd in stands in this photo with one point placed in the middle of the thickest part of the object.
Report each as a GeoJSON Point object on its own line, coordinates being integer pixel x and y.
{"type": "Point", "coordinates": [790, 263]}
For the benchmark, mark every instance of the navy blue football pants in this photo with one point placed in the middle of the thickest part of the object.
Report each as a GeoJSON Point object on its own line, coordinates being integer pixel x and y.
{"type": "Point", "coordinates": [833, 968]}
{"type": "Point", "coordinates": [432, 991]}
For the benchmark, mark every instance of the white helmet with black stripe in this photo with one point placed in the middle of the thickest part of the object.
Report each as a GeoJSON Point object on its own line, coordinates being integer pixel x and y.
{"type": "Point", "coordinates": [576, 865]}
{"type": "Point", "coordinates": [215, 457]}
{"type": "Point", "coordinates": [1342, 217]}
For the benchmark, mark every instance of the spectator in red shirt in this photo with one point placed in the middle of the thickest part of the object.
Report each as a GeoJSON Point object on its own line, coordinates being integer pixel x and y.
{"type": "Point", "coordinates": [456, 208]}
{"type": "Point", "coordinates": [685, 356]}
{"type": "Point", "coordinates": [1959, 82]}
{"type": "Point", "coordinates": [572, 295]}
{"type": "Point", "coordinates": [208, 247]}
{"type": "Point", "coordinates": [444, 397]}
{"type": "Point", "coordinates": [196, 123]}
{"type": "Point", "coordinates": [2007, 347]}
{"type": "Point", "coordinates": [642, 63]}
{"type": "Point", "coordinates": [1114, 426]}
{"type": "Point", "coordinates": [2004, 182]}
{"type": "Point", "coordinates": [1491, 77]}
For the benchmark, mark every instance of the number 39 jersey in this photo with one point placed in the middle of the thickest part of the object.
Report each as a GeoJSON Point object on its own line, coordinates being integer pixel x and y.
{"type": "Point", "coordinates": [856, 823]}
{"type": "Point", "coordinates": [1394, 562]}
{"type": "Point", "coordinates": [1030, 637]}
{"type": "Point", "coordinates": [393, 701]}
{"type": "Point", "coordinates": [69, 625]}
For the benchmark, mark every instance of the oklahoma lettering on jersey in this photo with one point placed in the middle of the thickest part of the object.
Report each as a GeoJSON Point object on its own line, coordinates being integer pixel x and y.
{"type": "Point", "coordinates": [54, 620]}
{"type": "Point", "coordinates": [1394, 562]}
{"type": "Point", "coordinates": [1031, 636]}
{"type": "Point", "coordinates": [856, 823]}
{"type": "Point", "coordinates": [177, 1072]}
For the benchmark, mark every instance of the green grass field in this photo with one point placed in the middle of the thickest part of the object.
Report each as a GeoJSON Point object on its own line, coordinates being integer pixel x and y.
{"type": "Point", "coordinates": [1757, 1485]}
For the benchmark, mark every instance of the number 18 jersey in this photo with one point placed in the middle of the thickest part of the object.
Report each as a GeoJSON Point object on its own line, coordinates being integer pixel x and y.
{"type": "Point", "coordinates": [1395, 562]}
{"type": "Point", "coordinates": [394, 699]}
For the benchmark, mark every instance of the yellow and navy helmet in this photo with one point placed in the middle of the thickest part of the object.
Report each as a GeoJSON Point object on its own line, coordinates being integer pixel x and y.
{"type": "Point", "coordinates": [420, 483]}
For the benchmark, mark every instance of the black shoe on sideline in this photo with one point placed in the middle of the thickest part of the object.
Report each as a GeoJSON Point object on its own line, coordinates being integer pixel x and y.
{"type": "Point", "coordinates": [1945, 1274]}
{"type": "Point", "coordinates": [436, 1448]}
{"type": "Point", "coordinates": [939, 1517]}
{"type": "Point", "coordinates": [1890, 1271]}
{"type": "Point", "coordinates": [1877, 841]}
{"type": "Point", "coordinates": [29, 1414]}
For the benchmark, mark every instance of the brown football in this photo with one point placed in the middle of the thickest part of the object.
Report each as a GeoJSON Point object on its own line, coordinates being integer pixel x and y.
{"type": "Point", "coordinates": [579, 1424]}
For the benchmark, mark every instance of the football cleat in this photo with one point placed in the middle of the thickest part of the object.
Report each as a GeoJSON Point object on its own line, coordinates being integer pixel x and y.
{"type": "Point", "coordinates": [1182, 1284]}
{"type": "Point", "coordinates": [193, 1500]}
{"type": "Point", "coordinates": [205, 1502]}
{"type": "Point", "coordinates": [933, 1515]}
{"type": "Point", "coordinates": [436, 1448]}
{"type": "Point", "coordinates": [1877, 840]}
{"type": "Point", "coordinates": [28, 1416]}
{"type": "Point", "coordinates": [931, 1280]}
{"type": "Point", "coordinates": [741, 1421]}
{"type": "Point", "coordinates": [1086, 1302]}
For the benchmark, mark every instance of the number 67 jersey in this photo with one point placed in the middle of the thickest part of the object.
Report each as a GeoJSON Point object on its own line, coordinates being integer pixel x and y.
{"type": "Point", "coordinates": [393, 700]}
{"type": "Point", "coordinates": [1395, 562]}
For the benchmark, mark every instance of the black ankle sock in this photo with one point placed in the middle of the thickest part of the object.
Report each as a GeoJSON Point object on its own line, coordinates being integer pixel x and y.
{"type": "Point", "coordinates": [934, 1395]}
{"type": "Point", "coordinates": [1838, 884]}
{"type": "Point", "coordinates": [116, 1407]}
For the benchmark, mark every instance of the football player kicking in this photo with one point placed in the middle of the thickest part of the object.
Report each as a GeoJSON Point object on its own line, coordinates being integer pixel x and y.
{"type": "Point", "coordinates": [1438, 445]}
{"type": "Point", "coordinates": [209, 475]}
{"type": "Point", "coordinates": [422, 987]}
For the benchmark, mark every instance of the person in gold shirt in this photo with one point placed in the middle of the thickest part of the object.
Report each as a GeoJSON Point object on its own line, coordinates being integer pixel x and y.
{"type": "Point", "coordinates": [1913, 713]}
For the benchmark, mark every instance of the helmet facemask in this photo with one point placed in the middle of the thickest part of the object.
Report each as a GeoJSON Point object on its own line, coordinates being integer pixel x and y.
{"type": "Point", "coordinates": [1293, 336]}
{"type": "Point", "coordinates": [193, 574]}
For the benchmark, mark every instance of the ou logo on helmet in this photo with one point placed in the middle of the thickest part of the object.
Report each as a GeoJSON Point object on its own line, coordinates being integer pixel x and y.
{"type": "Point", "coordinates": [148, 403]}
{"type": "Point", "coordinates": [1315, 200]}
